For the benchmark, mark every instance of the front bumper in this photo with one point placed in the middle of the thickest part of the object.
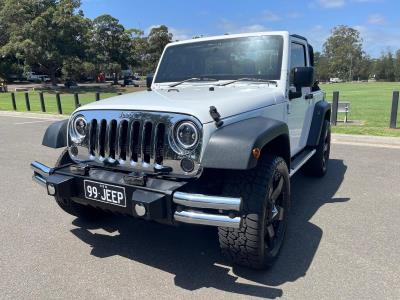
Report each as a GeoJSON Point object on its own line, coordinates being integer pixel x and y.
{"type": "Point", "coordinates": [162, 199]}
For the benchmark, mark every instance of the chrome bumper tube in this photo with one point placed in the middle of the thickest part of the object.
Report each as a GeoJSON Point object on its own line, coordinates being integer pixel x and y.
{"type": "Point", "coordinates": [193, 203]}
{"type": "Point", "coordinates": [200, 218]}
{"type": "Point", "coordinates": [204, 201]}
{"type": "Point", "coordinates": [40, 173]}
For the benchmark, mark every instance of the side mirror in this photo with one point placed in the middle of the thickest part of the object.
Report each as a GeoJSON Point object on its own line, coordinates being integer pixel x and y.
{"type": "Point", "coordinates": [301, 77]}
{"type": "Point", "coordinates": [149, 81]}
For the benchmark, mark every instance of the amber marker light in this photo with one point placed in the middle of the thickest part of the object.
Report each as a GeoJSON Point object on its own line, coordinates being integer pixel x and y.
{"type": "Point", "coordinates": [256, 153]}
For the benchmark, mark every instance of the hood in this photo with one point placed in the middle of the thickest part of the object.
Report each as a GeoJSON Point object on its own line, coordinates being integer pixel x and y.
{"type": "Point", "coordinates": [194, 100]}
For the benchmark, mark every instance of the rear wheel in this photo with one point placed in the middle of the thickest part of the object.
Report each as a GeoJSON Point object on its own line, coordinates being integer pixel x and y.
{"type": "Point", "coordinates": [318, 165]}
{"type": "Point", "coordinates": [71, 207]}
{"type": "Point", "coordinates": [266, 196]}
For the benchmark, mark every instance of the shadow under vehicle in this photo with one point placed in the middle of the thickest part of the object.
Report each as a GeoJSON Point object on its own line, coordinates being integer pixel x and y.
{"type": "Point", "coordinates": [199, 264]}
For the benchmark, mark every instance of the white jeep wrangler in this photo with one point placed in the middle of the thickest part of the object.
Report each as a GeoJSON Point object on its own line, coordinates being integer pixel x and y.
{"type": "Point", "coordinates": [224, 124]}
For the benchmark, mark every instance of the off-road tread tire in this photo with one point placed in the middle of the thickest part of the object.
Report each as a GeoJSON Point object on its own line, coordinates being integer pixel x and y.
{"type": "Point", "coordinates": [245, 246]}
{"type": "Point", "coordinates": [314, 167]}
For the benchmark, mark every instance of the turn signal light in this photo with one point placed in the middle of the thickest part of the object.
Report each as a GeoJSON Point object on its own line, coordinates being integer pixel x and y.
{"type": "Point", "coordinates": [256, 153]}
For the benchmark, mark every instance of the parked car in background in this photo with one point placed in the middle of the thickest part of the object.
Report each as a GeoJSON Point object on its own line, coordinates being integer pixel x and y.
{"type": "Point", "coordinates": [33, 77]}
{"type": "Point", "coordinates": [3, 86]}
{"type": "Point", "coordinates": [70, 83]}
{"type": "Point", "coordinates": [335, 80]}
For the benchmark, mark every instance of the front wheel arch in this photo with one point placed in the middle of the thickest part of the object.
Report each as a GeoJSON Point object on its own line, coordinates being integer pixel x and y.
{"type": "Point", "coordinates": [280, 146]}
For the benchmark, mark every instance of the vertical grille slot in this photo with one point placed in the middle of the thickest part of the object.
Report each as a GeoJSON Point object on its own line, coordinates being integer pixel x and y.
{"type": "Point", "coordinates": [102, 137]}
{"type": "Point", "coordinates": [112, 138]}
{"type": "Point", "coordinates": [135, 139]}
{"type": "Point", "coordinates": [92, 137]}
{"type": "Point", "coordinates": [159, 144]}
{"type": "Point", "coordinates": [123, 139]}
{"type": "Point", "coordinates": [148, 127]}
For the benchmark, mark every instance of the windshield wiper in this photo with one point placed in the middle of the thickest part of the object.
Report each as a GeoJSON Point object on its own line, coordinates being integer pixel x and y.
{"type": "Point", "coordinates": [260, 80]}
{"type": "Point", "coordinates": [193, 79]}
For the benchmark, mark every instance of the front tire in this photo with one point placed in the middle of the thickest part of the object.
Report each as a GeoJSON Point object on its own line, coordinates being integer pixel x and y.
{"type": "Point", "coordinates": [71, 207]}
{"type": "Point", "coordinates": [266, 196]}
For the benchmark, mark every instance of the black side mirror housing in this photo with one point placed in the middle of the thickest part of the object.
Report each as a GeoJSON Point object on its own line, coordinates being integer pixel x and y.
{"type": "Point", "coordinates": [301, 77]}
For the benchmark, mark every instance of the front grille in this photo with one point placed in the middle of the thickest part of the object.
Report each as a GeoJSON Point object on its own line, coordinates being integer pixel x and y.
{"type": "Point", "coordinates": [127, 140]}
{"type": "Point", "coordinates": [134, 141]}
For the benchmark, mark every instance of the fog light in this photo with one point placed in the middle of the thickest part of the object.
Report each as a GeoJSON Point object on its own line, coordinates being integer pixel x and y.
{"type": "Point", "coordinates": [51, 189]}
{"type": "Point", "coordinates": [187, 165]}
{"type": "Point", "coordinates": [140, 209]}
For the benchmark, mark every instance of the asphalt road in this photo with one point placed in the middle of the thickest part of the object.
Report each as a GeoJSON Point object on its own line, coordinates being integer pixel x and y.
{"type": "Point", "coordinates": [343, 240]}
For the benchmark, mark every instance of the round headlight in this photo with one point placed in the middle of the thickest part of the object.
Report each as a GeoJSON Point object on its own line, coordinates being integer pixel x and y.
{"type": "Point", "coordinates": [187, 135]}
{"type": "Point", "coordinates": [79, 126]}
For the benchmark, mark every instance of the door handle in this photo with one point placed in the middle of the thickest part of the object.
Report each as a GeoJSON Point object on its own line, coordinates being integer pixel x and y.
{"type": "Point", "coordinates": [309, 96]}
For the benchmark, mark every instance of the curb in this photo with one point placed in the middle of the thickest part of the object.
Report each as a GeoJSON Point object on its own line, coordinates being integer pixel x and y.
{"type": "Point", "coordinates": [366, 140]}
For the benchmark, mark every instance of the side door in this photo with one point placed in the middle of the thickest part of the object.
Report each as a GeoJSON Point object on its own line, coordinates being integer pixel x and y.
{"type": "Point", "coordinates": [298, 107]}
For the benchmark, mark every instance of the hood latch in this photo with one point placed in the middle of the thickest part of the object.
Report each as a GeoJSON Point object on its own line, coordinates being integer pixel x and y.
{"type": "Point", "coordinates": [216, 116]}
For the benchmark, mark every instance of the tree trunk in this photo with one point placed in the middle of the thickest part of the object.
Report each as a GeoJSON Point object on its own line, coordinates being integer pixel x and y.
{"type": "Point", "coordinates": [53, 77]}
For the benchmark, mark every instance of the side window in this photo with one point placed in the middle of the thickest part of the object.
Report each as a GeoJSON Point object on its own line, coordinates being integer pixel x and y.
{"type": "Point", "coordinates": [298, 56]}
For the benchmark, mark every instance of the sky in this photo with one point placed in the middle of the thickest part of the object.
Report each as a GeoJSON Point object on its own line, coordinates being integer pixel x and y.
{"type": "Point", "coordinates": [377, 20]}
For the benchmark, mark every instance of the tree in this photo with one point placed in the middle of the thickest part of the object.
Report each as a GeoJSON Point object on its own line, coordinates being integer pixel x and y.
{"type": "Point", "coordinates": [397, 66]}
{"type": "Point", "coordinates": [389, 63]}
{"type": "Point", "coordinates": [54, 32]}
{"type": "Point", "coordinates": [385, 67]}
{"type": "Point", "coordinates": [77, 69]}
{"type": "Point", "coordinates": [10, 68]}
{"type": "Point", "coordinates": [111, 45]}
{"type": "Point", "coordinates": [139, 51]}
{"type": "Point", "coordinates": [14, 15]}
{"type": "Point", "coordinates": [158, 38]}
{"type": "Point", "coordinates": [140, 59]}
{"type": "Point", "coordinates": [365, 71]}
{"type": "Point", "coordinates": [321, 67]}
{"type": "Point", "coordinates": [343, 50]}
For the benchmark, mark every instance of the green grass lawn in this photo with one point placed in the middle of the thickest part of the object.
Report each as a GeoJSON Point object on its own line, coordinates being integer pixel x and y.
{"type": "Point", "coordinates": [67, 99]}
{"type": "Point", "coordinates": [370, 103]}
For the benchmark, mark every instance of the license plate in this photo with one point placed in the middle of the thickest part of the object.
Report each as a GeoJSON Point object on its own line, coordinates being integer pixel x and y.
{"type": "Point", "coordinates": [106, 193]}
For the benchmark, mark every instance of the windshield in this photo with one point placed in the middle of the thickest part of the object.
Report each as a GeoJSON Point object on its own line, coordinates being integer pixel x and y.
{"type": "Point", "coordinates": [257, 57]}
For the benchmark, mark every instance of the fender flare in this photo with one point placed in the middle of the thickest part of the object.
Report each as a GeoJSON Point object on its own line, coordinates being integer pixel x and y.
{"type": "Point", "coordinates": [321, 109]}
{"type": "Point", "coordinates": [230, 147]}
{"type": "Point", "coordinates": [56, 135]}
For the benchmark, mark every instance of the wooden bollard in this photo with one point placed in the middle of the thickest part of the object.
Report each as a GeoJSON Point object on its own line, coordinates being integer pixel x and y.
{"type": "Point", "coordinates": [76, 99]}
{"type": "Point", "coordinates": [27, 103]}
{"type": "Point", "coordinates": [58, 99]}
{"type": "Point", "coordinates": [42, 104]}
{"type": "Point", "coordinates": [395, 108]}
{"type": "Point", "coordinates": [13, 102]}
{"type": "Point", "coordinates": [335, 104]}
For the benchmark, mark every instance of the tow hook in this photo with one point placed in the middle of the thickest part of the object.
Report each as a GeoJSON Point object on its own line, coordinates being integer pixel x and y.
{"type": "Point", "coordinates": [80, 169]}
